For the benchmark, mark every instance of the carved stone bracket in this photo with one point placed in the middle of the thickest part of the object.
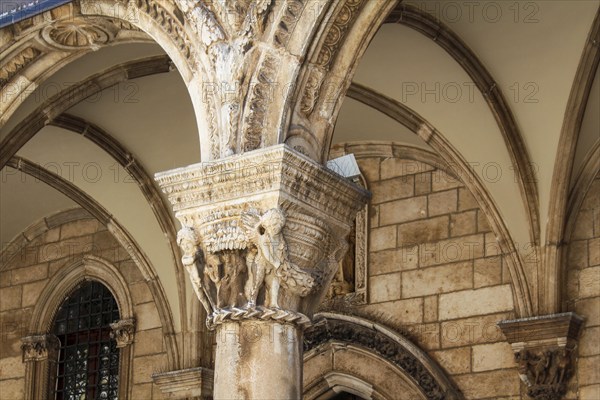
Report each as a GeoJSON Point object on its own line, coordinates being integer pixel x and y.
{"type": "Point", "coordinates": [123, 332]}
{"type": "Point", "coordinates": [262, 232]}
{"type": "Point", "coordinates": [39, 347]}
{"type": "Point", "coordinates": [543, 348]}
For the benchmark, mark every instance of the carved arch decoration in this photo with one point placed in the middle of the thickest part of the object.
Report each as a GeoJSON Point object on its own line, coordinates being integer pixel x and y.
{"type": "Point", "coordinates": [386, 363]}
{"type": "Point", "coordinates": [424, 23]}
{"type": "Point", "coordinates": [39, 46]}
{"type": "Point", "coordinates": [326, 74]}
{"type": "Point", "coordinates": [449, 159]}
{"type": "Point", "coordinates": [119, 233]}
{"type": "Point", "coordinates": [39, 364]}
{"type": "Point", "coordinates": [560, 211]}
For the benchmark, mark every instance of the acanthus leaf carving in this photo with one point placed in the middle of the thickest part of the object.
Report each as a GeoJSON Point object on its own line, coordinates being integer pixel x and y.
{"type": "Point", "coordinates": [272, 254]}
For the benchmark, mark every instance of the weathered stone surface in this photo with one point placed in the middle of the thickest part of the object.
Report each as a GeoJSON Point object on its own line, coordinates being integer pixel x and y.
{"type": "Point", "coordinates": [428, 230]}
{"type": "Point", "coordinates": [398, 211]}
{"type": "Point", "coordinates": [386, 261]}
{"type": "Point", "coordinates": [443, 181]}
{"type": "Point", "coordinates": [585, 225]}
{"type": "Point", "coordinates": [588, 372]}
{"type": "Point", "coordinates": [471, 331]}
{"type": "Point", "coordinates": [594, 251]}
{"type": "Point", "coordinates": [12, 367]}
{"type": "Point", "coordinates": [489, 384]}
{"type": "Point", "coordinates": [145, 366]}
{"type": "Point", "coordinates": [16, 387]}
{"type": "Point", "coordinates": [392, 167]}
{"type": "Point", "coordinates": [589, 345]}
{"type": "Point", "coordinates": [430, 309]}
{"type": "Point", "coordinates": [10, 298]}
{"type": "Point", "coordinates": [591, 392]}
{"type": "Point", "coordinates": [487, 271]}
{"type": "Point", "coordinates": [476, 302]}
{"type": "Point", "coordinates": [385, 287]}
{"type": "Point", "coordinates": [140, 293]}
{"type": "Point", "coordinates": [408, 311]}
{"type": "Point", "coordinates": [392, 189]}
{"type": "Point", "coordinates": [589, 282]}
{"type": "Point", "coordinates": [451, 250]}
{"type": "Point", "coordinates": [78, 228]}
{"type": "Point", "coordinates": [423, 183]}
{"type": "Point", "coordinates": [29, 274]}
{"type": "Point", "coordinates": [442, 202]}
{"type": "Point", "coordinates": [369, 168]}
{"type": "Point", "coordinates": [434, 280]}
{"type": "Point", "coordinates": [464, 223]}
{"type": "Point", "coordinates": [147, 315]}
{"type": "Point", "coordinates": [488, 357]}
{"type": "Point", "coordinates": [466, 201]}
{"type": "Point", "coordinates": [31, 292]}
{"type": "Point", "coordinates": [455, 361]}
{"type": "Point", "coordinates": [383, 238]}
{"type": "Point", "coordinates": [148, 342]}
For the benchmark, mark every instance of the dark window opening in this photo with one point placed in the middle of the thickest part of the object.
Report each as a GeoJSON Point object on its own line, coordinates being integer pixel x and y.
{"type": "Point", "coordinates": [88, 362]}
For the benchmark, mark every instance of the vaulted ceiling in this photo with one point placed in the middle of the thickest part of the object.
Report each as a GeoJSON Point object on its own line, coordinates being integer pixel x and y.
{"type": "Point", "coordinates": [531, 50]}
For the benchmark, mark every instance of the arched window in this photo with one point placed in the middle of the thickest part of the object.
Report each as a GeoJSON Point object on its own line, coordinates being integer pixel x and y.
{"type": "Point", "coordinates": [88, 357]}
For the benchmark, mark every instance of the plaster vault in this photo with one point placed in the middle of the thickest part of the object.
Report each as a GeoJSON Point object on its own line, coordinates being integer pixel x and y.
{"type": "Point", "coordinates": [250, 233]}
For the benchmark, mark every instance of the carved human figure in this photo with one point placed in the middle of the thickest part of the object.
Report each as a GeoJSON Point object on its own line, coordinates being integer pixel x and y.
{"type": "Point", "coordinates": [193, 261]}
{"type": "Point", "coordinates": [270, 264]}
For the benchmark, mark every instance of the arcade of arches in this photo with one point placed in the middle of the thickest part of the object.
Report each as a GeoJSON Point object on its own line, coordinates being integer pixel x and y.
{"type": "Point", "coordinates": [181, 215]}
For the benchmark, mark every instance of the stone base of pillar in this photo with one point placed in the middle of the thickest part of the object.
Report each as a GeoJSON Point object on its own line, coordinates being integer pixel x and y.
{"type": "Point", "coordinates": [543, 348]}
{"type": "Point", "coordinates": [185, 383]}
{"type": "Point", "coordinates": [262, 358]}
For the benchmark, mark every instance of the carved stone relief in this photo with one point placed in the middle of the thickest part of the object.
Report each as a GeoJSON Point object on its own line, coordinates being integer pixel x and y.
{"type": "Point", "coordinates": [262, 235]}
{"type": "Point", "coordinates": [39, 347]}
{"type": "Point", "coordinates": [17, 63]}
{"type": "Point", "coordinates": [343, 331]}
{"type": "Point", "coordinates": [123, 332]}
{"type": "Point", "coordinates": [543, 348]}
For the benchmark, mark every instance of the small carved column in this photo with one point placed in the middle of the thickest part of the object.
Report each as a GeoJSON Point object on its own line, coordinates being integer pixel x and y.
{"type": "Point", "coordinates": [262, 236]}
{"type": "Point", "coordinates": [40, 353]}
{"type": "Point", "coordinates": [123, 333]}
{"type": "Point", "coordinates": [543, 348]}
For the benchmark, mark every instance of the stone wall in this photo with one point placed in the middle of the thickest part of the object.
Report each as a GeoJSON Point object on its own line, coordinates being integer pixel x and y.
{"type": "Point", "coordinates": [436, 272]}
{"type": "Point", "coordinates": [583, 291]}
{"type": "Point", "coordinates": [54, 243]}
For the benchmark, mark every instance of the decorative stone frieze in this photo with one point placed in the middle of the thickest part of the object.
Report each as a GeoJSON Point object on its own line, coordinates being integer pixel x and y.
{"type": "Point", "coordinates": [123, 332]}
{"type": "Point", "coordinates": [543, 348]}
{"type": "Point", "coordinates": [39, 347]}
{"type": "Point", "coordinates": [185, 383]}
{"type": "Point", "coordinates": [262, 233]}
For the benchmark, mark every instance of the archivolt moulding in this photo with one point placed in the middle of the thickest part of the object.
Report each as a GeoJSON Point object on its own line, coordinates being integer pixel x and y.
{"type": "Point", "coordinates": [348, 337]}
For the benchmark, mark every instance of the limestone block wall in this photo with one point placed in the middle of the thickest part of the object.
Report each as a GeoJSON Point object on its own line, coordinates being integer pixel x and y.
{"type": "Point", "coordinates": [57, 242]}
{"type": "Point", "coordinates": [436, 272]}
{"type": "Point", "coordinates": [583, 291]}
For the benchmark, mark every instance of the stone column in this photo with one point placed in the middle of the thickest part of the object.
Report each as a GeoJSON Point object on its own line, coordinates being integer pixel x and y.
{"type": "Point", "coordinates": [543, 348]}
{"type": "Point", "coordinates": [40, 354]}
{"type": "Point", "coordinates": [262, 236]}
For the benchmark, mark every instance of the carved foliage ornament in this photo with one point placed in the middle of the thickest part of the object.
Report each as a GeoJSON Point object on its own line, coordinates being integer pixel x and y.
{"type": "Point", "coordinates": [262, 233]}
{"type": "Point", "coordinates": [39, 347]}
{"type": "Point", "coordinates": [79, 34]}
{"type": "Point", "coordinates": [342, 331]}
{"type": "Point", "coordinates": [545, 372]}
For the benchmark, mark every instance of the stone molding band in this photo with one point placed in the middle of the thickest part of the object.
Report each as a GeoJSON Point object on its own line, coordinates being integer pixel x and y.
{"type": "Point", "coordinates": [258, 314]}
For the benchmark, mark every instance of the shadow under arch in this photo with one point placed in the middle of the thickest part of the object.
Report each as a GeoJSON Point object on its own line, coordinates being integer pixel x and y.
{"type": "Point", "coordinates": [386, 363]}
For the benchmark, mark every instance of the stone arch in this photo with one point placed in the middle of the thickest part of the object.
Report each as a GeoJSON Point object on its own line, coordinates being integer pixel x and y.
{"type": "Point", "coordinates": [34, 58]}
{"type": "Point", "coordinates": [559, 212]}
{"type": "Point", "coordinates": [448, 156]}
{"type": "Point", "coordinates": [39, 374]}
{"type": "Point", "coordinates": [373, 362]}
{"type": "Point", "coordinates": [68, 278]}
{"type": "Point", "coordinates": [120, 235]}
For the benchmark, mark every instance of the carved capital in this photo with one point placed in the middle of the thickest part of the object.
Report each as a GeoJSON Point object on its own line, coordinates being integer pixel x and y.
{"type": "Point", "coordinates": [262, 232]}
{"type": "Point", "coordinates": [39, 347]}
{"type": "Point", "coordinates": [543, 348]}
{"type": "Point", "coordinates": [123, 332]}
